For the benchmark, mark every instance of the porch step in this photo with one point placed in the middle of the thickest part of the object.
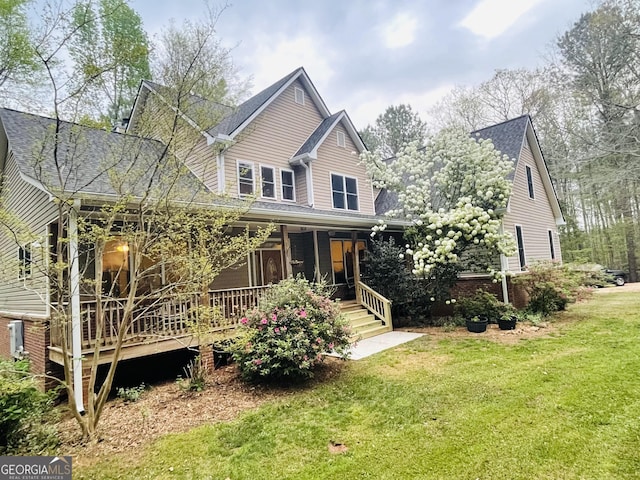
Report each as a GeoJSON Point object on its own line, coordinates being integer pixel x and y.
{"type": "Point", "coordinates": [371, 332]}
{"type": "Point", "coordinates": [363, 324]}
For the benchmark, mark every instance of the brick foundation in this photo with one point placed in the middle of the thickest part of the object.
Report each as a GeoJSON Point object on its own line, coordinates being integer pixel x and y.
{"type": "Point", "coordinates": [467, 286]}
{"type": "Point", "coordinates": [36, 340]}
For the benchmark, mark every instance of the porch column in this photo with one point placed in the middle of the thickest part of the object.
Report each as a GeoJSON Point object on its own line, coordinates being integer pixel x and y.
{"type": "Point", "coordinates": [286, 245]}
{"type": "Point", "coordinates": [356, 264]}
{"type": "Point", "coordinates": [76, 325]}
{"type": "Point", "coordinates": [316, 257]}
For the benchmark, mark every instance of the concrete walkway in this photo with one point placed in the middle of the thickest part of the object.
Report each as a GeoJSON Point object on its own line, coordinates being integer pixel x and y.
{"type": "Point", "coordinates": [379, 343]}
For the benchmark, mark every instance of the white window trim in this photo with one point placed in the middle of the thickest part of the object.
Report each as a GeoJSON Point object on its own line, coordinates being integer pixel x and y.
{"type": "Point", "coordinates": [253, 177]}
{"type": "Point", "coordinates": [298, 91]}
{"type": "Point", "coordinates": [293, 185]}
{"type": "Point", "coordinates": [275, 182]}
{"type": "Point", "coordinates": [341, 136]}
{"type": "Point", "coordinates": [344, 184]}
{"type": "Point", "coordinates": [528, 173]}
{"type": "Point", "coordinates": [22, 265]}
{"type": "Point", "coordinates": [524, 250]}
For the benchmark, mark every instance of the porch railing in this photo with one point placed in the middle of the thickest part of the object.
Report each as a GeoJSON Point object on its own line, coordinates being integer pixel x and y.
{"type": "Point", "coordinates": [375, 303]}
{"type": "Point", "coordinates": [166, 317]}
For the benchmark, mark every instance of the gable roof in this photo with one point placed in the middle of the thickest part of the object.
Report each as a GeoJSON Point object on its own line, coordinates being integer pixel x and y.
{"type": "Point", "coordinates": [309, 149]}
{"type": "Point", "coordinates": [234, 123]}
{"type": "Point", "coordinates": [87, 157]}
{"type": "Point", "coordinates": [508, 137]}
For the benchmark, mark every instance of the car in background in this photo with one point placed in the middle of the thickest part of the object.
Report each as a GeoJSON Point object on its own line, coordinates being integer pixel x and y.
{"type": "Point", "coordinates": [619, 277]}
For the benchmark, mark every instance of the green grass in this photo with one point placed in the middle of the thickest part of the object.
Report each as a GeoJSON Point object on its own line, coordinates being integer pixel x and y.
{"type": "Point", "coordinates": [560, 407]}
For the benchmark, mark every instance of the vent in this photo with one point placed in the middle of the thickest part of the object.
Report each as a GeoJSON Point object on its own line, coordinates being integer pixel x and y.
{"type": "Point", "coordinates": [16, 338]}
{"type": "Point", "coordinates": [299, 95]}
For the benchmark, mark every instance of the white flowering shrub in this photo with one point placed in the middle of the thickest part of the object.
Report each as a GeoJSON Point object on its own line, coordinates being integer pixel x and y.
{"type": "Point", "coordinates": [454, 191]}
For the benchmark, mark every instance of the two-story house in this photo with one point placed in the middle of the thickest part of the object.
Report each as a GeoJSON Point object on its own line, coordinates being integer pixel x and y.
{"type": "Point", "coordinates": [283, 148]}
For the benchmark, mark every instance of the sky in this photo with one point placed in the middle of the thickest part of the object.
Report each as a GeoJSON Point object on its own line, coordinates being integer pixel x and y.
{"type": "Point", "coordinates": [364, 55]}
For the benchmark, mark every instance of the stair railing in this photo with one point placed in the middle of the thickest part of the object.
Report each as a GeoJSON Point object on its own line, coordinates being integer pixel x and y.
{"type": "Point", "coordinates": [375, 303]}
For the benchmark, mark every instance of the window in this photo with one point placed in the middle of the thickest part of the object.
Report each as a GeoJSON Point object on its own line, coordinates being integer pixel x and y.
{"type": "Point", "coordinates": [344, 191]}
{"type": "Point", "coordinates": [268, 176]}
{"type": "Point", "coordinates": [520, 240]}
{"type": "Point", "coordinates": [342, 259]}
{"type": "Point", "coordinates": [299, 95]}
{"type": "Point", "coordinates": [341, 139]}
{"type": "Point", "coordinates": [245, 178]}
{"type": "Point", "coordinates": [530, 182]}
{"type": "Point", "coordinates": [288, 191]}
{"type": "Point", "coordinates": [551, 247]}
{"type": "Point", "coordinates": [24, 262]}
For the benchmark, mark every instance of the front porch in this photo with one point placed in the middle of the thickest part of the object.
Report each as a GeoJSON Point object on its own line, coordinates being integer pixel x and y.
{"type": "Point", "coordinates": [165, 324]}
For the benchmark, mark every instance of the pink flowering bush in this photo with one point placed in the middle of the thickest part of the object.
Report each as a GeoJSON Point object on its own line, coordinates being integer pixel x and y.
{"type": "Point", "coordinates": [286, 335]}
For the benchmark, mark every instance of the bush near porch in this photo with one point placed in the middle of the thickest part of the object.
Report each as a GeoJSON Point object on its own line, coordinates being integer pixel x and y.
{"type": "Point", "coordinates": [285, 336]}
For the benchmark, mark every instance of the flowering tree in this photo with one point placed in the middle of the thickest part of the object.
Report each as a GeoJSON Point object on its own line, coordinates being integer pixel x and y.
{"type": "Point", "coordinates": [454, 191]}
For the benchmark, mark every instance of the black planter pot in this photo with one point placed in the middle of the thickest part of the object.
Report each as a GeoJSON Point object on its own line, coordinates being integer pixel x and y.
{"type": "Point", "coordinates": [507, 324]}
{"type": "Point", "coordinates": [221, 358]}
{"type": "Point", "coordinates": [477, 327]}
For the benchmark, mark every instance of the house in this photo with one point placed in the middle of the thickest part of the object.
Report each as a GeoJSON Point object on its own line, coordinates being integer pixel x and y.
{"type": "Point", "coordinates": [282, 146]}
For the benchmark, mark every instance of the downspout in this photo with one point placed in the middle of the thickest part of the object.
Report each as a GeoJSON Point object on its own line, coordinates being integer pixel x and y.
{"type": "Point", "coordinates": [76, 324]}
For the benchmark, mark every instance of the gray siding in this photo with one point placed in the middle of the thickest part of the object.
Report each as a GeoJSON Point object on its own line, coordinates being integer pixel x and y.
{"type": "Point", "coordinates": [32, 207]}
{"type": "Point", "coordinates": [535, 216]}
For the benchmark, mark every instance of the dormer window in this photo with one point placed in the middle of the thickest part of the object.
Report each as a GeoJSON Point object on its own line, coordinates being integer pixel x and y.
{"type": "Point", "coordinates": [341, 140]}
{"type": "Point", "coordinates": [299, 95]}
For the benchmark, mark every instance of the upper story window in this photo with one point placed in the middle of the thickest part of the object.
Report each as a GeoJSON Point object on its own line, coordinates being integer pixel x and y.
{"type": "Point", "coordinates": [288, 190]}
{"type": "Point", "coordinates": [530, 182]}
{"type": "Point", "coordinates": [245, 178]}
{"type": "Point", "coordinates": [268, 176]}
{"type": "Point", "coordinates": [24, 262]}
{"type": "Point", "coordinates": [341, 140]}
{"type": "Point", "coordinates": [344, 192]}
{"type": "Point", "coordinates": [298, 93]}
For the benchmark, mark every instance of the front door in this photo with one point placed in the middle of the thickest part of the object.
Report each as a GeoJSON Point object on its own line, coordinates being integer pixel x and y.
{"type": "Point", "coordinates": [271, 266]}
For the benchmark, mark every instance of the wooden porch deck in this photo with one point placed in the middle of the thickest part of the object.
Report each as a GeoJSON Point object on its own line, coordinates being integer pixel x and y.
{"type": "Point", "coordinates": [165, 324]}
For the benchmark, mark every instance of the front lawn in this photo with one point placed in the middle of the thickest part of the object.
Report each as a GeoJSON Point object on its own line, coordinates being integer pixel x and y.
{"type": "Point", "coordinates": [563, 406]}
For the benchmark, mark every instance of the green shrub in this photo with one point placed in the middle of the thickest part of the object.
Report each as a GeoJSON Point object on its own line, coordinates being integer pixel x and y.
{"type": "Point", "coordinates": [131, 394]}
{"type": "Point", "coordinates": [389, 273]}
{"type": "Point", "coordinates": [551, 287]}
{"type": "Point", "coordinates": [481, 304]}
{"type": "Point", "coordinates": [195, 379]}
{"type": "Point", "coordinates": [286, 335]}
{"type": "Point", "coordinates": [25, 412]}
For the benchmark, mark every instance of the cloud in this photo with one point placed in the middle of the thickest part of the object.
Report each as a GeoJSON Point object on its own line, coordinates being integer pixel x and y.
{"type": "Point", "coordinates": [491, 18]}
{"type": "Point", "coordinates": [401, 31]}
{"type": "Point", "coordinates": [273, 58]}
